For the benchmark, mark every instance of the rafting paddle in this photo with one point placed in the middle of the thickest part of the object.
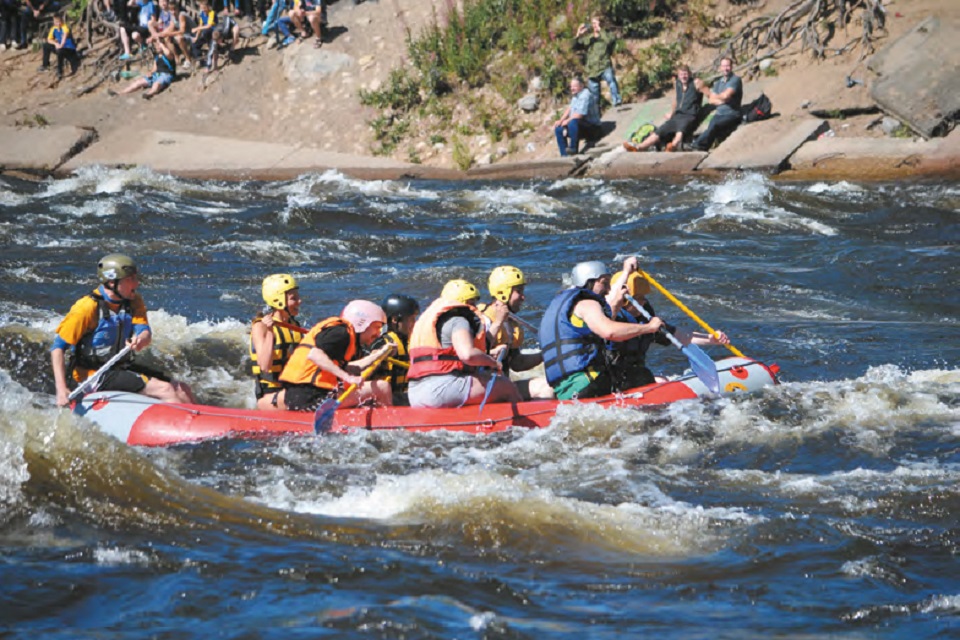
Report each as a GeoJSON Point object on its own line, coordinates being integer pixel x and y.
{"type": "Point", "coordinates": [323, 418]}
{"type": "Point", "coordinates": [493, 379]}
{"type": "Point", "coordinates": [703, 367]}
{"type": "Point", "coordinates": [684, 308]}
{"type": "Point", "coordinates": [92, 383]}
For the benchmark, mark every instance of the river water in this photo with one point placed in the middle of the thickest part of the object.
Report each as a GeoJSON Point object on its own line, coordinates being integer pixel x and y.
{"type": "Point", "coordinates": [827, 506]}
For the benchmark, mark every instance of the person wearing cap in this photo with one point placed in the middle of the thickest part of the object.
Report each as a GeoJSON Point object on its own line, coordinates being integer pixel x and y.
{"type": "Point", "coordinates": [449, 363]}
{"type": "Point", "coordinates": [627, 359]}
{"type": "Point", "coordinates": [402, 312]}
{"type": "Point", "coordinates": [576, 328]}
{"type": "Point", "coordinates": [506, 285]}
{"type": "Point", "coordinates": [324, 361]}
{"type": "Point", "coordinates": [271, 344]}
{"type": "Point", "coordinates": [98, 326]}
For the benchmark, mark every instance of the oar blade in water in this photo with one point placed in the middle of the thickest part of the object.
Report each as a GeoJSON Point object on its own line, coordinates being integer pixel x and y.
{"type": "Point", "coordinates": [703, 367]}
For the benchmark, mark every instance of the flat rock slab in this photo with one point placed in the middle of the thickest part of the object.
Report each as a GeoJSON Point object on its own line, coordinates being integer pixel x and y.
{"type": "Point", "coordinates": [41, 148]}
{"type": "Point", "coordinates": [542, 169]}
{"type": "Point", "coordinates": [302, 63]}
{"type": "Point", "coordinates": [624, 164]}
{"type": "Point", "coordinates": [765, 145]}
{"type": "Point", "coordinates": [918, 80]}
{"type": "Point", "coordinates": [193, 155]}
{"type": "Point", "coordinates": [877, 158]}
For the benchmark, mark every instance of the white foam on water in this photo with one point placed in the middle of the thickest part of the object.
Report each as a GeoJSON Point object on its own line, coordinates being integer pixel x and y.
{"type": "Point", "coordinates": [311, 182]}
{"type": "Point", "coordinates": [13, 434]}
{"type": "Point", "coordinates": [836, 188]}
{"type": "Point", "coordinates": [90, 208]}
{"type": "Point", "coordinates": [503, 200]}
{"type": "Point", "coordinates": [118, 556]}
{"type": "Point", "coordinates": [580, 184]}
{"type": "Point", "coordinates": [942, 604]}
{"type": "Point", "coordinates": [745, 199]}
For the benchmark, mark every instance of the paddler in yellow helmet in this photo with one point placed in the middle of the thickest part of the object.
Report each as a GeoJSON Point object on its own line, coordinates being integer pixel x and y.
{"type": "Point", "coordinates": [627, 360]}
{"type": "Point", "coordinates": [506, 285]}
{"type": "Point", "coordinates": [449, 363]}
{"type": "Point", "coordinates": [271, 344]}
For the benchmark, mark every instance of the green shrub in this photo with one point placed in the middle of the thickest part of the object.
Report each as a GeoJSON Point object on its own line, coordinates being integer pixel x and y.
{"type": "Point", "coordinates": [461, 154]}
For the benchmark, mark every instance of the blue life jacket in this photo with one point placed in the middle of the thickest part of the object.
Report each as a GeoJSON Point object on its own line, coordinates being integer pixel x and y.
{"type": "Point", "coordinates": [108, 338]}
{"type": "Point", "coordinates": [566, 348]}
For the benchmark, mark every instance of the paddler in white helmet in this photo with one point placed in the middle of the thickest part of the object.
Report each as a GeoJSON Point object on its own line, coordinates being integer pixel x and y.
{"type": "Point", "coordinates": [326, 360]}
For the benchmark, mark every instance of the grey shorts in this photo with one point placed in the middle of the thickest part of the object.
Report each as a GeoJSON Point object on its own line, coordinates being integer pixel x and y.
{"type": "Point", "coordinates": [439, 392]}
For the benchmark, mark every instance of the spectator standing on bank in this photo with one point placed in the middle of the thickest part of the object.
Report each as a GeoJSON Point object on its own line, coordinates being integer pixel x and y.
{"type": "Point", "coordinates": [599, 45]}
{"type": "Point", "coordinates": [726, 94]}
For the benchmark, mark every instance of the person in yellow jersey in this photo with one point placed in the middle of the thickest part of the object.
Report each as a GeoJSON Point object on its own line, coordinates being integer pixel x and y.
{"type": "Point", "coordinates": [99, 325]}
{"type": "Point", "coordinates": [326, 360]}
{"type": "Point", "coordinates": [271, 343]}
{"type": "Point", "coordinates": [507, 285]}
{"type": "Point", "coordinates": [449, 363]}
{"type": "Point", "coordinates": [402, 312]}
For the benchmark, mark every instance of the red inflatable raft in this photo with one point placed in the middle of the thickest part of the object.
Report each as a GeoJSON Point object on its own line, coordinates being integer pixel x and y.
{"type": "Point", "coordinates": [139, 420]}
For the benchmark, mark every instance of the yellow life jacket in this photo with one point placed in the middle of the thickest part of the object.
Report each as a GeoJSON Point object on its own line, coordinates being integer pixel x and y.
{"type": "Point", "coordinates": [510, 333]}
{"type": "Point", "coordinates": [301, 370]}
{"type": "Point", "coordinates": [284, 342]}
{"type": "Point", "coordinates": [394, 373]}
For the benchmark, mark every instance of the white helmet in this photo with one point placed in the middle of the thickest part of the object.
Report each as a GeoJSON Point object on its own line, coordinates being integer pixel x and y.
{"type": "Point", "coordinates": [362, 313]}
{"type": "Point", "coordinates": [584, 272]}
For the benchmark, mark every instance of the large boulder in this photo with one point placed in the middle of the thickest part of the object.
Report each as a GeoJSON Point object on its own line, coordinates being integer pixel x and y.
{"type": "Point", "coordinates": [918, 80]}
{"type": "Point", "coordinates": [302, 63]}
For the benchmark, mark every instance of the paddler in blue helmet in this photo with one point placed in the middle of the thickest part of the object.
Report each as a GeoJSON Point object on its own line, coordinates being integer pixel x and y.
{"type": "Point", "coordinates": [98, 326]}
{"type": "Point", "coordinates": [576, 328]}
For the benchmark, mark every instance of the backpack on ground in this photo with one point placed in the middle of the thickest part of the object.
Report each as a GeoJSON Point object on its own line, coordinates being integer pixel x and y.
{"type": "Point", "coordinates": [641, 133]}
{"type": "Point", "coordinates": [759, 109]}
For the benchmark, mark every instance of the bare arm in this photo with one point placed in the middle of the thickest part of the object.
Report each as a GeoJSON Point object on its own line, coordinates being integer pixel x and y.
{"type": "Point", "coordinates": [320, 358]}
{"type": "Point", "coordinates": [468, 353]}
{"type": "Point", "coordinates": [592, 314]}
{"type": "Point", "coordinates": [58, 362]}
{"type": "Point", "coordinates": [262, 337]}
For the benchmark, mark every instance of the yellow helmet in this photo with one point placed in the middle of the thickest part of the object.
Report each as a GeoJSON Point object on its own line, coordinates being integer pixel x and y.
{"type": "Point", "coordinates": [459, 291]}
{"type": "Point", "coordinates": [503, 280]}
{"type": "Point", "coordinates": [275, 289]}
{"type": "Point", "coordinates": [637, 285]}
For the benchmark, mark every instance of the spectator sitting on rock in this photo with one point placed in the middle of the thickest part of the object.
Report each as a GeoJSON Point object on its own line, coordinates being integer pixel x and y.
{"type": "Point", "coordinates": [161, 21]}
{"type": "Point", "coordinates": [30, 12]}
{"type": "Point", "coordinates": [580, 120]}
{"type": "Point", "coordinates": [139, 33]}
{"type": "Point", "coordinates": [726, 95]}
{"type": "Point", "coordinates": [312, 11]}
{"type": "Point", "coordinates": [682, 119]}
{"type": "Point", "coordinates": [177, 36]}
{"type": "Point", "coordinates": [599, 45]}
{"type": "Point", "coordinates": [163, 72]}
{"type": "Point", "coordinates": [60, 41]}
{"type": "Point", "coordinates": [226, 33]}
{"type": "Point", "coordinates": [203, 32]}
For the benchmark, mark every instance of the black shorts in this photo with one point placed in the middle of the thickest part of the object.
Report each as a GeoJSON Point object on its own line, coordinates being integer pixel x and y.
{"type": "Point", "coordinates": [305, 397]}
{"type": "Point", "coordinates": [677, 124]}
{"type": "Point", "coordinates": [122, 380]}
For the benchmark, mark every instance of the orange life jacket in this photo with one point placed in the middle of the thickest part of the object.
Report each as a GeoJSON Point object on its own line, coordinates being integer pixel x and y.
{"type": "Point", "coordinates": [301, 370]}
{"type": "Point", "coordinates": [427, 356]}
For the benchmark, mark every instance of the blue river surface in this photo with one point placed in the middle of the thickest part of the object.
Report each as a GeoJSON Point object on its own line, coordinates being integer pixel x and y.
{"type": "Point", "coordinates": [827, 506]}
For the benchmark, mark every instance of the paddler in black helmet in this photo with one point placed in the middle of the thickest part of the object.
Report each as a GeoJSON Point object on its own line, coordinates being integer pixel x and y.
{"type": "Point", "coordinates": [98, 326]}
{"type": "Point", "coordinates": [402, 312]}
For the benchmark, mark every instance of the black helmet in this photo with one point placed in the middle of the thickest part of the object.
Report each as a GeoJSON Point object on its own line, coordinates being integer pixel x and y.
{"type": "Point", "coordinates": [397, 305]}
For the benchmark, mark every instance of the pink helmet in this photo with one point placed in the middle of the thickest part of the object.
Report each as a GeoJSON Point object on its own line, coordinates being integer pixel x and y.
{"type": "Point", "coordinates": [362, 313]}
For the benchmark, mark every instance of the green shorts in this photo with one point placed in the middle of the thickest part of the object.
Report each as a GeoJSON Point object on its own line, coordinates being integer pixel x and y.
{"type": "Point", "coordinates": [585, 384]}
